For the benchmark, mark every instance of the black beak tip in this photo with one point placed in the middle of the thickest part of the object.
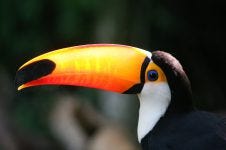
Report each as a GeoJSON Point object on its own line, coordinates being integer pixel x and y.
{"type": "Point", "coordinates": [34, 71]}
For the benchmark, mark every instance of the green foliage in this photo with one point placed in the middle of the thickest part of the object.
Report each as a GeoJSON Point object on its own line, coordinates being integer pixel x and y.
{"type": "Point", "coordinates": [31, 27]}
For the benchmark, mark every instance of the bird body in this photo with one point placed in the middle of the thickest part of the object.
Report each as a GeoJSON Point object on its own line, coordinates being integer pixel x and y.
{"type": "Point", "coordinates": [167, 117]}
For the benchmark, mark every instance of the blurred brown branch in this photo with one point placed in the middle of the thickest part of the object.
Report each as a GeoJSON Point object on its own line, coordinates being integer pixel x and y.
{"type": "Point", "coordinates": [79, 126]}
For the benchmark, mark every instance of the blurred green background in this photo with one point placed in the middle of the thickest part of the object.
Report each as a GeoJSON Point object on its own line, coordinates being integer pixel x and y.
{"type": "Point", "coordinates": [193, 31]}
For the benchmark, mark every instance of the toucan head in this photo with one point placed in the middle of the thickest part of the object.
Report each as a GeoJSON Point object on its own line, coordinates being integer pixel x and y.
{"type": "Point", "coordinates": [157, 78]}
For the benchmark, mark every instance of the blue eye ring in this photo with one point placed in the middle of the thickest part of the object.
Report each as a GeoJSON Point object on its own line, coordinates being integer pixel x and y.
{"type": "Point", "coordinates": [152, 75]}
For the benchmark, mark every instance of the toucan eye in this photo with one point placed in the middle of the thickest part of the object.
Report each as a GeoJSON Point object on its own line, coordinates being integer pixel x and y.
{"type": "Point", "coordinates": [152, 75]}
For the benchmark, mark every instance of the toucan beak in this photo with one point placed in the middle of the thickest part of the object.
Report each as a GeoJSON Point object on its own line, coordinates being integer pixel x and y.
{"type": "Point", "coordinates": [110, 67]}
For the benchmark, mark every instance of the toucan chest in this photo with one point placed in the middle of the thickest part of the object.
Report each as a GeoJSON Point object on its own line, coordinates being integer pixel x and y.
{"type": "Point", "coordinates": [190, 131]}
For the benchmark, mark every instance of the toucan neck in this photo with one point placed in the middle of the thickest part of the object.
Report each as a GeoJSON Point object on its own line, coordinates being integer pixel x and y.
{"type": "Point", "coordinates": [157, 101]}
{"type": "Point", "coordinates": [181, 100]}
{"type": "Point", "coordinates": [154, 101]}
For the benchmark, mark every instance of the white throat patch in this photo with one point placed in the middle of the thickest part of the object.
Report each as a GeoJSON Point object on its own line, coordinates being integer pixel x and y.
{"type": "Point", "coordinates": [154, 100]}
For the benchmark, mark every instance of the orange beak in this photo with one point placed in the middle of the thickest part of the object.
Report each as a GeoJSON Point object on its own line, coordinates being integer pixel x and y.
{"type": "Point", "coordinates": [110, 67]}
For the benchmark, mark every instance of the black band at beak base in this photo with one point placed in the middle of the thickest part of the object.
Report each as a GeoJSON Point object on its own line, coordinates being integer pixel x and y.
{"type": "Point", "coordinates": [138, 87]}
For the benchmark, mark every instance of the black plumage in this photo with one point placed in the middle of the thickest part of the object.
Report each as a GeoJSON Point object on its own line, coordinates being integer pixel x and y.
{"type": "Point", "coordinates": [183, 127]}
{"type": "Point", "coordinates": [195, 130]}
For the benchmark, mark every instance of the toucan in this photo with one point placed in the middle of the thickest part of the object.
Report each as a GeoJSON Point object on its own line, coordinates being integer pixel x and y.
{"type": "Point", "coordinates": [167, 118]}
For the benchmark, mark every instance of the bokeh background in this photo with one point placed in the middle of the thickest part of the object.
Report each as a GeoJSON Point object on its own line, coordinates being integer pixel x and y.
{"type": "Point", "coordinates": [60, 117]}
